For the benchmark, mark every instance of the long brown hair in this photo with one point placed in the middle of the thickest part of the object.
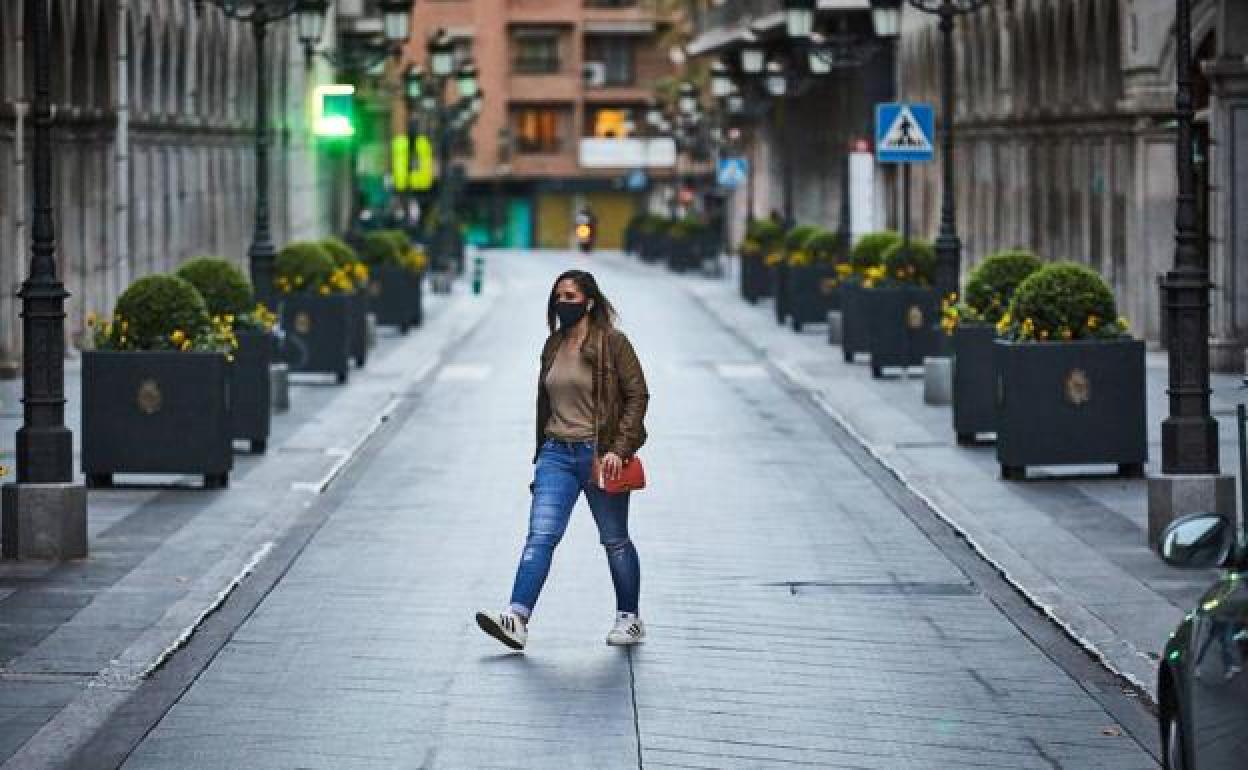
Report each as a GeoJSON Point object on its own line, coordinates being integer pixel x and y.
{"type": "Point", "coordinates": [601, 315]}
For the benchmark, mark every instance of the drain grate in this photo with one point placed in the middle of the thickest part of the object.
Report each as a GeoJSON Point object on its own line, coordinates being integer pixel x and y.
{"type": "Point", "coordinates": [904, 588]}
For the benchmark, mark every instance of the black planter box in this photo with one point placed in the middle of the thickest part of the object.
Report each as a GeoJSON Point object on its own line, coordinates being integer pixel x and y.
{"type": "Point", "coordinates": [651, 247]}
{"type": "Point", "coordinates": [904, 326]}
{"type": "Point", "coordinates": [855, 325]}
{"type": "Point", "coordinates": [974, 381]}
{"type": "Point", "coordinates": [780, 290]}
{"type": "Point", "coordinates": [359, 327]}
{"type": "Point", "coordinates": [318, 333]}
{"type": "Point", "coordinates": [809, 293]}
{"type": "Point", "coordinates": [753, 278]}
{"type": "Point", "coordinates": [1070, 403]}
{"type": "Point", "coordinates": [682, 254]}
{"type": "Point", "coordinates": [251, 389]}
{"type": "Point", "coordinates": [395, 297]}
{"type": "Point", "coordinates": [156, 412]}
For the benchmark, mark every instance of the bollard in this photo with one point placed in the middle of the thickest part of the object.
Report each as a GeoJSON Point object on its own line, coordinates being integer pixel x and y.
{"type": "Point", "coordinates": [478, 272]}
{"type": "Point", "coordinates": [279, 384]}
{"type": "Point", "coordinates": [937, 381]}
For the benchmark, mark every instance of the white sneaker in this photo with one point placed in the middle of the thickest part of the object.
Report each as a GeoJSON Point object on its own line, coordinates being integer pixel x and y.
{"type": "Point", "coordinates": [628, 630]}
{"type": "Point", "coordinates": [507, 627]}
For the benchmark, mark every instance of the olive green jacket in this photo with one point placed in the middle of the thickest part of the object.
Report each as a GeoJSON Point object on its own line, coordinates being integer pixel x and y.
{"type": "Point", "coordinates": [621, 407]}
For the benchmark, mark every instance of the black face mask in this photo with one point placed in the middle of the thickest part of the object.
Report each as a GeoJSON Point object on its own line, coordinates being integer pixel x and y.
{"type": "Point", "coordinates": [570, 312]}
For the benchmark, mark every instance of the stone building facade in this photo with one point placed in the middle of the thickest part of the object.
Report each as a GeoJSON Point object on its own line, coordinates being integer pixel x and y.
{"type": "Point", "coordinates": [1065, 143]}
{"type": "Point", "coordinates": [153, 137]}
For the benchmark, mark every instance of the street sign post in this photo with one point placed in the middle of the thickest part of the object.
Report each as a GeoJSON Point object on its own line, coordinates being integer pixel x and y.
{"type": "Point", "coordinates": [903, 136]}
{"type": "Point", "coordinates": [731, 172]}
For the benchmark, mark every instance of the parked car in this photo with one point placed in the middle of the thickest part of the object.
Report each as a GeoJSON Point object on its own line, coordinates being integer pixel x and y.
{"type": "Point", "coordinates": [1202, 690]}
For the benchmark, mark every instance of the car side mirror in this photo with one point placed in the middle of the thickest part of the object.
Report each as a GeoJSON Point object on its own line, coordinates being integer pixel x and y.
{"type": "Point", "coordinates": [1198, 541]}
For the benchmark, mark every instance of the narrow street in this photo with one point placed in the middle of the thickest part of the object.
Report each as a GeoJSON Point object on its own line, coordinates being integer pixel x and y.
{"type": "Point", "coordinates": [800, 611]}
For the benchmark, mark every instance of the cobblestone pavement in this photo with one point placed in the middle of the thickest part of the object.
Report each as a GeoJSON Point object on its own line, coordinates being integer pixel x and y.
{"type": "Point", "coordinates": [797, 616]}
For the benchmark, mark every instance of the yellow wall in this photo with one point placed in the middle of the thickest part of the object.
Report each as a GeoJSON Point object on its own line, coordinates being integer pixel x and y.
{"type": "Point", "coordinates": [557, 211]}
{"type": "Point", "coordinates": [554, 220]}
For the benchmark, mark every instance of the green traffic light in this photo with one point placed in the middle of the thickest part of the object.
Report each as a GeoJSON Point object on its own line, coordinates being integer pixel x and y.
{"type": "Point", "coordinates": [335, 111]}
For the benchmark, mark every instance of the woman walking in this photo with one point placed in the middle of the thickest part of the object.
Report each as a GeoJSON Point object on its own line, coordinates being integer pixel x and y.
{"type": "Point", "coordinates": [591, 403]}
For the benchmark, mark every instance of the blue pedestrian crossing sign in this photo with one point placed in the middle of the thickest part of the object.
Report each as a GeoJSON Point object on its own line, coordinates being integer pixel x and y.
{"type": "Point", "coordinates": [732, 172]}
{"type": "Point", "coordinates": [904, 133]}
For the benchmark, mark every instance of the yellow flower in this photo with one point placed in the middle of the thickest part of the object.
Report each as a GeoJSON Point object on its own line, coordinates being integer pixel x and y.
{"type": "Point", "coordinates": [324, 290]}
{"type": "Point", "coordinates": [178, 336]}
{"type": "Point", "coordinates": [186, 345]}
{"type": "Point", "coordinates": [1124, 323]}
{"type": "Point", "coordinates": [91, 320]}
{"type": "Point", "coordinates": [4, 470]}
{"type": "Point", "coordinates": [1093, 322]}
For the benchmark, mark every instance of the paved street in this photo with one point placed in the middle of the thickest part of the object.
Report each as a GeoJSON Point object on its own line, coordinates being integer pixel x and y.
{"type": "Point", "coordinates": [799, 612]}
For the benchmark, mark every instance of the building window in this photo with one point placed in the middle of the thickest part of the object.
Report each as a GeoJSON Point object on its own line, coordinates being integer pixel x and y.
{"type": "Point", "coordinates": [610, 61]}
{"type": "Point", "coordinates": [538, 129]}
{"type": "Point", "coordinates": [535, 51]}
{"type": "Point", "coordinates": [609, 122]}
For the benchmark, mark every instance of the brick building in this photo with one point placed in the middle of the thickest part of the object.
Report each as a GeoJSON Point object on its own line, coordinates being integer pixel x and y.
{"type": "Point", "coordinates": [566, 86]}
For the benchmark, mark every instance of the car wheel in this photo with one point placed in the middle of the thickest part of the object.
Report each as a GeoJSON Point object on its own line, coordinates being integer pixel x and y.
{"type": "Point", "coordinates": [1174, 743]}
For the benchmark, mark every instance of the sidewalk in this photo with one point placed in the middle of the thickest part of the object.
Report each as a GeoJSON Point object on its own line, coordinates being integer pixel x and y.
{"type": "Point", "coordinates": [1074, 544]}
{"type": "Point", "coordinates": [77, 639]}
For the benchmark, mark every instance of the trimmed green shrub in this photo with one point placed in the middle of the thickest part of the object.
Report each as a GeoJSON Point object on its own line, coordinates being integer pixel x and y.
{"type": "Point", "coordinates": [870, 248]}
{"type": "Point", "coordinates": [795, 239]}
{"type": "Point", "coordinates": [825, 246]}
{"type": "Point", "coordinates": [157, 312]}
{"type": "Point", "coordinates": [992, 283]}
{"type": "Point", "coordinates": [379, 248]}
{"type": "Point", "coordinates": [340, 251]}
{"type": "Point", "coordinates": [223, 286]}
{"type": "Point", "coordinates": [1062, 301]}
{"type": "Point", "coordinates": [913, 264]}
{"type": "Point", "coordinates": [303, 266]}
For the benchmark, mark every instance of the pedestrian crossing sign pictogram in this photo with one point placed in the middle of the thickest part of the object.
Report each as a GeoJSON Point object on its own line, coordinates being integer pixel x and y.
{"type": "Point", "coordinates": [904, 133]}
{"type": "Point", "coordinates": [732, 172]}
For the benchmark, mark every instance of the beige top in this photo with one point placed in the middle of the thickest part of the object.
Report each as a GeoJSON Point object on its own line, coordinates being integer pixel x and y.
{"type": "Point", "coordinates": [570, 385]}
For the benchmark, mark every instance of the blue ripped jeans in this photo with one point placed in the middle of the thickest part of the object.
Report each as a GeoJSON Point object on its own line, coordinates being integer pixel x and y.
{"type": "Point", "coordinates": [561, 475]}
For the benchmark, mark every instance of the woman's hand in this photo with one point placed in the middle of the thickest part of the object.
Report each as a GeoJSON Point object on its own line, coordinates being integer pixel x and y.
{"type": "Point", "coordinates": [611, 466]}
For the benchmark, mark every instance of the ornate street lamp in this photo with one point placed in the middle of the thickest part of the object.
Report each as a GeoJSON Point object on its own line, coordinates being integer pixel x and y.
{"type": "Point", "coordinates": [1189, 435]}
{"type": "Point", "coordinates": [45, 513]}
{"type": "Point", "coordinates": [753, 59]}
{"type": "Point", "coordinates": [414, 83]}
{"type": "Point", "coordinates": [722, 85]}
{"type": "Point", "coordinates": [396, 19]}
{"type": "Point", "coordinates": [466, 80]}
{"type": "Point", "coordinates": [441, 51]}
{"type": "Point", "coordinates": [799, 18]}
{"type": "Point", "coordinates": [687, 102]}
{"type": "Point", "coordinates": [886, 18]}
{"type": "Point", "coordinates": [777, 81]}
{"type": "Point", "coordinates": [310, 24]}
{"type": "Point", "coordinates": [885, 14]}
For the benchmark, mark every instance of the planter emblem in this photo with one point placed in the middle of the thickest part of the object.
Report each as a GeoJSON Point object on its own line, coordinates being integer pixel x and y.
{"type": "Point", "coordinates": [149, 397]}
{"type": "Point", "coordinates": [303, 322]}
{"type": "Point", "coordinates": [1078, 387]}
{"type": "Point", "coordinates": [914, 317]}
{"type": "Point", "coordinates": [374, 288]}
{"type": "Point", "coordinates": [828, 286]}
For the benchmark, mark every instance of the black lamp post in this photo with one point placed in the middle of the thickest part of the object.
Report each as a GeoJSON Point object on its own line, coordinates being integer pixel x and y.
{"type": "Point", "coordinates": [886, 15]}
{"type": "Point", "coordinates": [1189, 435]}
{"type": "Point", "coordinates": [44, 513]}
{"type": "Point", "coordinates": [448, 121]}
{"type": "Point", "coordinates": [260, 14]}
{"type": "Point", "coordinates": [44, 443]}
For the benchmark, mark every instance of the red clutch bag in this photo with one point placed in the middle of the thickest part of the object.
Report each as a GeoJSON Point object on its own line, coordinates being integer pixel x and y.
{"type": "Point", "coordinates": [632, 477]}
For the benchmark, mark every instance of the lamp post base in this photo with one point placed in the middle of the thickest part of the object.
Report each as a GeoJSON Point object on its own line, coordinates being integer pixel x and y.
{"type": "Point", "coordinates": [1172, 496]}
{"type": "Point", "coordinates": [45, 521]}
